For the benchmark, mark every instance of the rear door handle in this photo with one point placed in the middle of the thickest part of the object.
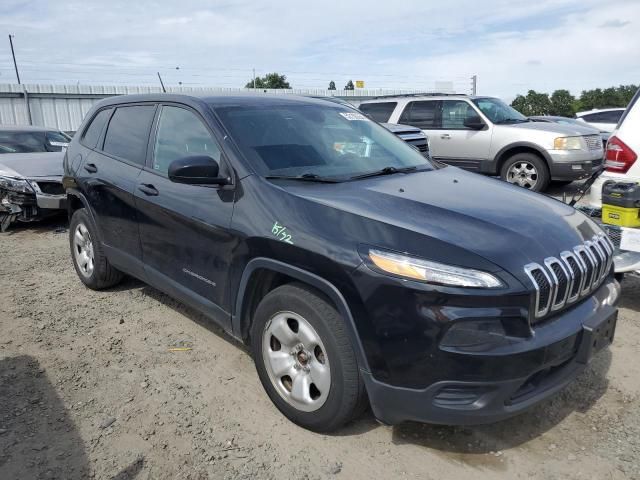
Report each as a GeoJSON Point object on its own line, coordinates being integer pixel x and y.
{"type": "Point", "coordinates": [91, 167]}
{"type": "Point", "coordinates": [148, 189]}
{"type": "Point", "coordinates": [445, 136]}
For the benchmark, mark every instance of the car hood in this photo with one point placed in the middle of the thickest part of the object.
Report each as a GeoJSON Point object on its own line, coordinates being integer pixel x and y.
{"type": "Point", "coordinates": [31, 165]}
{"type": "Point", "coordinates": [400, 128]}
{"type": "Point", "coordinates": [502, 223]}
{"type": "Point", "coordinates": [564, 130]}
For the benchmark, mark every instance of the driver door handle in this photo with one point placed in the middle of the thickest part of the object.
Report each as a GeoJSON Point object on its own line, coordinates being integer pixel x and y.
{"type": "Point", "coordinates": [148, 189]}
{"type": "Point", "coordinates": [91, 167]}
{"type": "Point", "coordinates": [445, 136]}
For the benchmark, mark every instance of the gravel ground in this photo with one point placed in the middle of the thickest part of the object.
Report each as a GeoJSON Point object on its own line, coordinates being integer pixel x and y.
{"type": "Point", "coordinates": [90, 388]}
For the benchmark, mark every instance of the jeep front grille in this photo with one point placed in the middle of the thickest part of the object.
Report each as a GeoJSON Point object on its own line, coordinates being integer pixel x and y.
{"type": "Point", "coordinates": [561, 281]}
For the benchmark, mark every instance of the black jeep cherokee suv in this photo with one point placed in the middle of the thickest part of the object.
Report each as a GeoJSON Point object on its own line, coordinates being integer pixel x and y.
{"type": "Point", "coordinates": [354, 267]}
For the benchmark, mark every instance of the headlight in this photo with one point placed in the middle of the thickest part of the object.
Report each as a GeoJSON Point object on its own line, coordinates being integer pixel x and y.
{"type": "Point", "coordinates": [15, 185]}
{"type": "Point", "coordinates": [568, 143]}
{"type": "Point", "coordinates": [432, 272]}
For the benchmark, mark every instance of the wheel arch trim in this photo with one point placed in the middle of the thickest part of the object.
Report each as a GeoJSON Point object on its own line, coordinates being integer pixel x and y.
{"type": "Point", "coordinates": [72, 192]}
{"type": "Point", "coordinates": [503, 154]}
{"type": "Point", "coordinates": [308, 278]}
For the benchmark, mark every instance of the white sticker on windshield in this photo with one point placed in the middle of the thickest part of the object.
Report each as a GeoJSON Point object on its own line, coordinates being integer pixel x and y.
{"type": "Point", "coordinates": [352, 116]}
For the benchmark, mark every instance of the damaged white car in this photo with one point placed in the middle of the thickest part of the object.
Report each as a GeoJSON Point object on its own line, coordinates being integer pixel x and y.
{"type": "Point", "coordinates": [30, 187]}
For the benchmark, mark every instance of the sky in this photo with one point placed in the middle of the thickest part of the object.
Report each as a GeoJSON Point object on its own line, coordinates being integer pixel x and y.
{"type": "Point", "coordinates": [511, 45]}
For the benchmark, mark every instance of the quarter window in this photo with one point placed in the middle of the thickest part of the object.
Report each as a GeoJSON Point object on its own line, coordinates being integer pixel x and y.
{"type": "Point", "coordinates": [180, 134]}
{"type": "Point", "coordinates": [93, 131]}
{"type": "Point", "coordinates": [128, 132]}
{"type": "Point", "coordinates": [420, 114]}
{"type": "Point", "coordinates": [380, 112]}
{"type": "Point", "coordinates": [454, 112]}
{"type": "Point", "coordinates": [604, 117]}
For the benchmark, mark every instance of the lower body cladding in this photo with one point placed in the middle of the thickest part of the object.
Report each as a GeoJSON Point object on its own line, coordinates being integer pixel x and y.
{"type": "Point", "coordinates": [28, 207]}
{"type": "Point", "coordinates": [488, 384]}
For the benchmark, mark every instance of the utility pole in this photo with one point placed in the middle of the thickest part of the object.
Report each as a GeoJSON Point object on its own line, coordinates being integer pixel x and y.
{"type": "Point", "coordinates": [13, 54]}
{"type": "Point", "coordinates": [474, 85]}
{"type": "Point", "coordinates": [161, 83]}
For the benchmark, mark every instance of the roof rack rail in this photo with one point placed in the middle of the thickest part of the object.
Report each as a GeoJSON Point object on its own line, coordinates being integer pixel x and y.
{"type": "Point", "coordinates": [425, 94]}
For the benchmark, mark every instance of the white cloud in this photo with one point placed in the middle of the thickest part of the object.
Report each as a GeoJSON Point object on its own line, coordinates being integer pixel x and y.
{"type": "Point", "coordinates": [512, 45]}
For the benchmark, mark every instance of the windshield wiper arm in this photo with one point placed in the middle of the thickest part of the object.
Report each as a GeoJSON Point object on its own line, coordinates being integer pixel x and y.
{"type": "Point", "coordinates": [305, 177]}
{"type": "Point", "coordinates": [384, 171]}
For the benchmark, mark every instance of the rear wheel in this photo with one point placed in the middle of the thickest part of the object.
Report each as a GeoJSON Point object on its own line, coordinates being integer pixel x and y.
{"type": "Point", "coordinates": [305, 360]}
{"type": "Point", "coordinates": [89, 260]}
{"type": "Point", "coordinates": [526, 170]}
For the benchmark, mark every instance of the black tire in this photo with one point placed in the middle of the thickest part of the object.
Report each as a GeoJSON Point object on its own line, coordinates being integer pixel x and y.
{"type": "Point", "coordinates": [346, 397]}
{"type": "Point", "coordinates": [103, 274]}
{"type": "Point", "coordinates": [542, 171]}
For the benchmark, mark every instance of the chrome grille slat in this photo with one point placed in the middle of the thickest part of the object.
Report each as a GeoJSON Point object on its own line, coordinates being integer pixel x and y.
{"type": "Point", "coordinates": [561, 281]}
{"type": "Point", "coordinates": [603, 257]}
{"type": "Point", "coordinates": [530, 270]}
{"type": "Point", "coordinates": [577, 275]}
{"type": "Point", "coordinates": [594, 142]}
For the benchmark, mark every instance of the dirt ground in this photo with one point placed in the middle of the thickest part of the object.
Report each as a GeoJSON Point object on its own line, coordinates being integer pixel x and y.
{"type": "Point", "coordinates": [89, 388]}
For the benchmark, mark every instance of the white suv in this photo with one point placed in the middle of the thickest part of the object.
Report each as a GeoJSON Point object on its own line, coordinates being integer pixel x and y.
{"type": "Point", "coordinates": [622, 152]}
{"type": "Point", "coordinates": [485, 135]}
{"type": "Point", "coordinates": [622, 164]}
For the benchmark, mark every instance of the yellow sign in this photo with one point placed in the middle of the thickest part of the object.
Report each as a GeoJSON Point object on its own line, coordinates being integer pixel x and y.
{"type": "Point", "coordinates": [359, 83]}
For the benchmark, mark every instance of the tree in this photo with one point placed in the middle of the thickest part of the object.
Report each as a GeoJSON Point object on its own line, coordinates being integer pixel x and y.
{"type": "Point", "coordinates": [270, 80]}
{"type": "Point", "coordinates": [332, 85]}
{"type": "Point", "coordinates": [349, 86]}
{"type": "Point", "coordinates": [562, 103]}
{"type": "Point", "coordinates": [533, 104]}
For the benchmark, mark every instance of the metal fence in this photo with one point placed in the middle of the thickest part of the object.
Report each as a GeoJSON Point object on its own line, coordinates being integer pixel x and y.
{"type": "Point", "coordinates": [64, 106]}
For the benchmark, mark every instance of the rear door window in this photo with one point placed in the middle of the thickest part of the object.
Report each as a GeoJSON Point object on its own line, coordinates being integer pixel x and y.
{"type": "Point", "coordinates": [380, 112]}
{"type": "Point", "coordinates": [128, 132]}
{"type": "Point", "coordinates": [421, 114]}
{"type": "Point", "coordinates": [93, 131]}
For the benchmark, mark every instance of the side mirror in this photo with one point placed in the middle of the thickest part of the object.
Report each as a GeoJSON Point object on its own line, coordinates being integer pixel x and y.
{"type": "Point", "coordinates": [474, 122]}
{"type": "Point", "coordinates": [196, 170]}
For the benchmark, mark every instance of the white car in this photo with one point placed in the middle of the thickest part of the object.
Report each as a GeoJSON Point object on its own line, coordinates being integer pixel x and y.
{"type": "Point", "coordinates": [622, 164]}
{"type": "Point", "coordinates": [604, 119]}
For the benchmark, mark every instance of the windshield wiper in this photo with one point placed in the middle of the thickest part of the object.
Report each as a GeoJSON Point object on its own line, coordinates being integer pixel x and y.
{"type": "Point", "coordinates": [514, 120]}
{"type": "Point", "coordinates": [305, 177]}
{"type": "Point", "coordinates": [384, 171]}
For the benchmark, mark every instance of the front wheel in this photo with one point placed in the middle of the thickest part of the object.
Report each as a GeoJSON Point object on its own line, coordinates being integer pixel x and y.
{"type": "Point", "coordinates": [526, 170]}
{"type": "Point", "coordinates": [305, 360]}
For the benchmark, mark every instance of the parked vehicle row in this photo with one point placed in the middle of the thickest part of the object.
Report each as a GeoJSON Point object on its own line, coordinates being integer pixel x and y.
{"type": "Point", "coordinates": [484, 135]}
{"type": "Point", "coordinates": [355, 268]}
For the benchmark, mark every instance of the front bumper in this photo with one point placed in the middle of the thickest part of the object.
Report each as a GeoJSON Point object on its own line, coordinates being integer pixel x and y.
{"type": "Point", "coordinates": [517, 378]}
{"type": "Point", "coordinates": [51, 202]}
{"type": "Point", "coordinates": [573, 165]}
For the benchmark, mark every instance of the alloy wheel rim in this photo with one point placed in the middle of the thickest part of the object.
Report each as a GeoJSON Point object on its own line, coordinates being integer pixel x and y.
{"type": "Point", "coordinates": [524, 174]}
{"type": "Point", "coordinates": [296, 361]}
{"type": "Point", "coordinates": [83, 250]}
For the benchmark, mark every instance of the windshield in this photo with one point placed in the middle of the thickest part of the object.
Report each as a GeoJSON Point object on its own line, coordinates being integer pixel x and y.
{"type": "Point", "coordinates": [499, 112]}
{"type": "Point", "coordinates": [315, 140]}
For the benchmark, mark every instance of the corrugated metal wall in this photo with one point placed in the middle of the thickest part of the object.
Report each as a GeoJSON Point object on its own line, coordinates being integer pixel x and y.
{"type": "Point", "coordinates": [64, 106]}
